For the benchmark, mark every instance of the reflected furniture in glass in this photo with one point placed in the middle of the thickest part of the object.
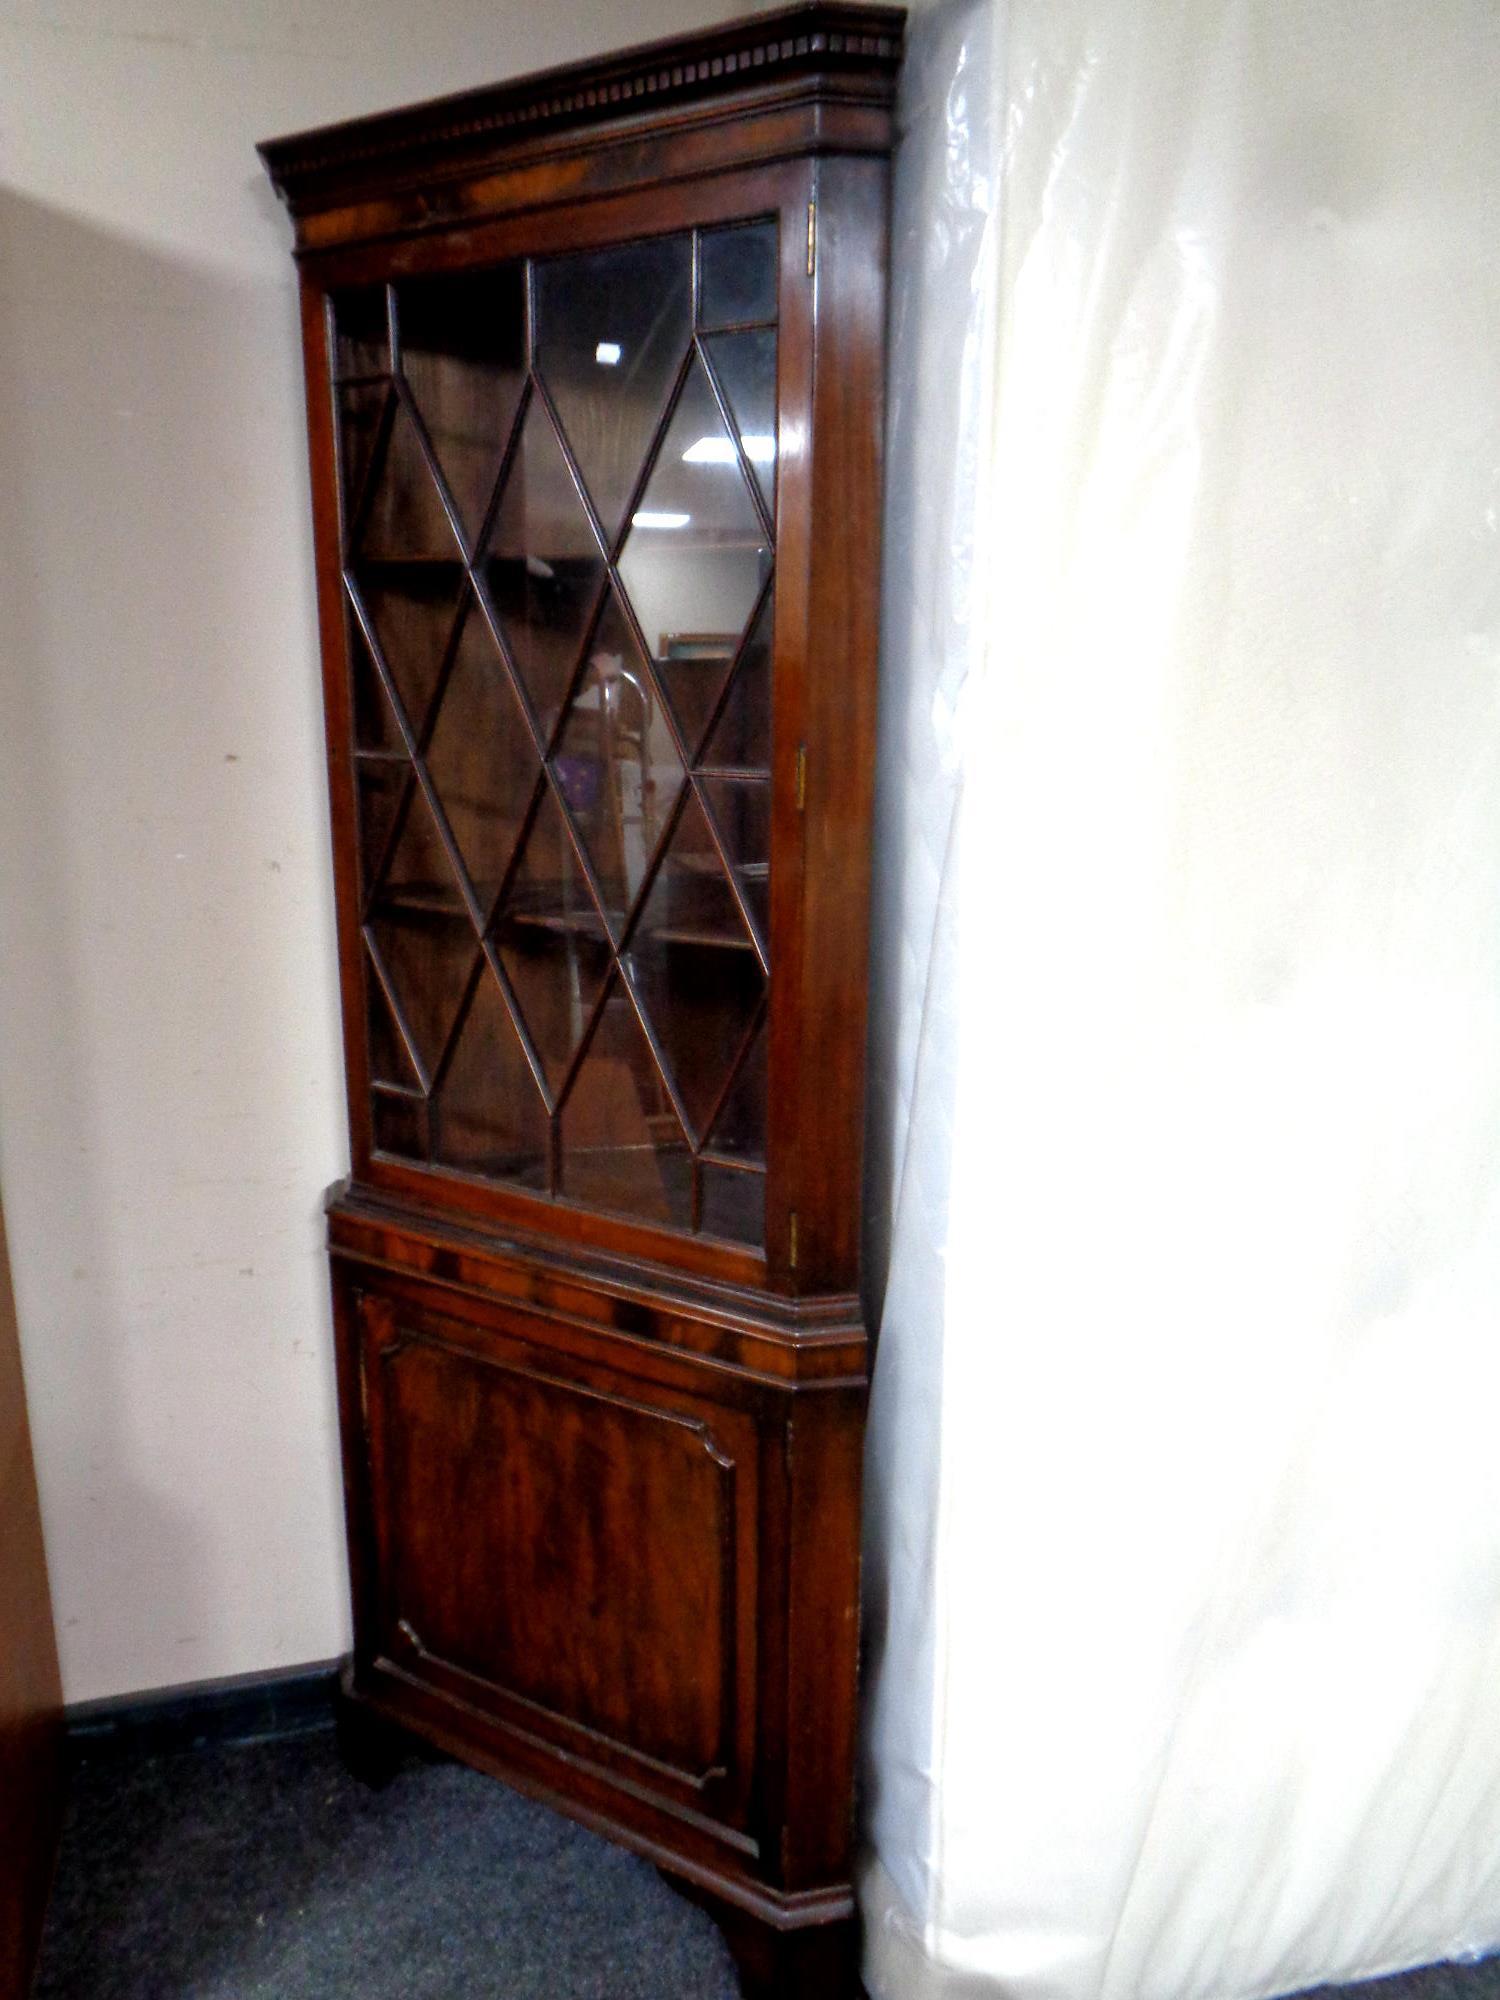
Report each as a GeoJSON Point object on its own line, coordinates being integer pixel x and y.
{"type": "Point", "coordinates": [594, 372]}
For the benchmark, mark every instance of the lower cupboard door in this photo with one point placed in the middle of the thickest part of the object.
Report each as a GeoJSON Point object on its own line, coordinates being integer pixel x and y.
{"type": "Point", "coordinates": [567, 1550]}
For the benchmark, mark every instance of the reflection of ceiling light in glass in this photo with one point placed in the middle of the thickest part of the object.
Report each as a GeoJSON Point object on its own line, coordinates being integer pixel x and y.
{"type": "Point", "coordinates": [646, 519]}
{"type": "Point", "coordinates": [607, 354]}
{"type": "Point", "coordinates": [719, 451]}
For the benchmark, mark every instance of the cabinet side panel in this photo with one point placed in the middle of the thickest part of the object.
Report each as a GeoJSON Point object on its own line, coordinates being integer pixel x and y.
{"type": "Point", "coordinates": [836, 716]}
{"type": "Point", "coordinates": [31, 1774]}
{"type": "Point", "coordinates": [824, 1452]}
{"type": "Point", "coordinates": [358, 1517]}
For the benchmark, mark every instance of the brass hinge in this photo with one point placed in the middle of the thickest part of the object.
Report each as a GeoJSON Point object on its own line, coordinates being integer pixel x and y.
{"type": "Point", "coordinates": [801, 777]}
{"type": "Point", "coordinates": [791, 1255]}
{"type": "Point", "coordinates": [812, 237]}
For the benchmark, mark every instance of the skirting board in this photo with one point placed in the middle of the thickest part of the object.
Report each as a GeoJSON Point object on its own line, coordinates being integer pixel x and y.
{"type": "Point", "coordinates": [896, 1963]}
{"type": "Point", "coordinates": [247, 1708]}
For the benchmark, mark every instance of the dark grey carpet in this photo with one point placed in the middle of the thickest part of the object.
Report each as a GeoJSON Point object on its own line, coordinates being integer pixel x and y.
{"type": "Point", "coordinates": [264, 1872]}
{"type": "Point", "coordinates": [1434, 1982]}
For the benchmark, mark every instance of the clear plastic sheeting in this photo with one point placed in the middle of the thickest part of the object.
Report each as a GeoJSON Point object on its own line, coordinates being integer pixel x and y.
{"type": "Point", "coordinates": [941, 334]}
{"type": "Point", "coordinates": [1184, 1580]}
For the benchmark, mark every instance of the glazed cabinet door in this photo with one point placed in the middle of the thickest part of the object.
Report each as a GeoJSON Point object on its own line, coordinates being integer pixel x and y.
{"type": "Point", "coordinates": [557, 554]}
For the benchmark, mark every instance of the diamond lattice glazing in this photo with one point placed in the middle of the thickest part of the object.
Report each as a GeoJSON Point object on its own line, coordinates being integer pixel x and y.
{"type": "Point", "coordinates": [558, 498]}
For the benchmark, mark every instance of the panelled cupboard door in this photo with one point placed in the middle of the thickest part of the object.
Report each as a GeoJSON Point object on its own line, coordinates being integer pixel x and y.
{"type": "Point", "coordinates": [567, 1547]}
{"type": "Point", "coordinates": [594, 367]}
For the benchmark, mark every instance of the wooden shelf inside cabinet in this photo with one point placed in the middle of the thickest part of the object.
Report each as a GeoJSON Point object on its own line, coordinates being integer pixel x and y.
{"type": "Point", "coordinates": [597, 533]}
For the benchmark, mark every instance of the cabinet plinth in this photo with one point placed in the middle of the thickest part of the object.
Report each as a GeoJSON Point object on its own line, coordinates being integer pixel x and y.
{"type": "Point", "coordinates": [594, 372]}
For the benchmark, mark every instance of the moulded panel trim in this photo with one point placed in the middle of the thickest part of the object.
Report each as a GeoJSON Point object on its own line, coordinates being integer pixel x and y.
{"type": "Point", "coordinates": [389, 1335]}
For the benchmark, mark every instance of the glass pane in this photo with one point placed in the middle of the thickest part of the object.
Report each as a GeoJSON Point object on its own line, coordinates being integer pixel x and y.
{"type": "Point", "coordinates": [390, 1058]}
{"type": "Point", "coordinates": [543, 567]}
{"type": "Point", "coordinates": [360, 416]}
{"type": "Point", "coordinates": [739, 1128]}
{"type": "Point", "coordinates": [481, 758]}
{"type": "Point", "coordinates": [694, 967]}
{"type": "Point", "coordinates": [380, 789]}
{"type": "Point", "coordinates": [463, 353]}
{"type": "Point", "coordinates": [489, 1117]}
{"type": "Point", "coordinates": [400, 1126]}
{"type": "Point", "coordinates": [361, 344]}
{"type": "Point", "coordinates": [742, 812]}
{"type": "Point", "coordinates": [616, 764]}
{"type": "Point", "coordinates": [741, 740]}
{"type": "Point", "coordinates": [551, 942]}
{"type": "Point", "coordinates": [622, 1147]}
{"type": "Point", "coordinates": [745, 364]}
{"type": "Point", "coordinates": [401, 517]}
{"type": "Point", "coordinates": [424, 961]}
{"type": "Point", "coordinates": [696, 555]}
{"type": "Point", "coordinates": [734, 1205]}
{"type": "Point", "coordinates": [374, 718]}
{"type": "Point", "coordinates": [411, 611]}
{"type": "Point", "coordinates": [419, 874]}
{"type": "Point", "coordinates": [737, 274]}
{"type": "Point", "coordinates": [693, 670]}
{"type": "Point", "coordinates": [612, 327]}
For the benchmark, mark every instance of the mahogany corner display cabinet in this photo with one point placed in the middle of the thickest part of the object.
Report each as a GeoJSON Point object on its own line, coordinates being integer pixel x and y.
{"type": "Point", "coordinates": [595, 370]}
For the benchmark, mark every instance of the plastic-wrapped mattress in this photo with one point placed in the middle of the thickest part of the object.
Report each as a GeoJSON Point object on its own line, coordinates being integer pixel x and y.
{"type": "Point", "coordinates": [1184, 1581]}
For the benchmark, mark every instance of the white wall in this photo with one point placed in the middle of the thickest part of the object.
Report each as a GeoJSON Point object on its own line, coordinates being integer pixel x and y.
{"type": "Point", "coordinates": [170, 1104]}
